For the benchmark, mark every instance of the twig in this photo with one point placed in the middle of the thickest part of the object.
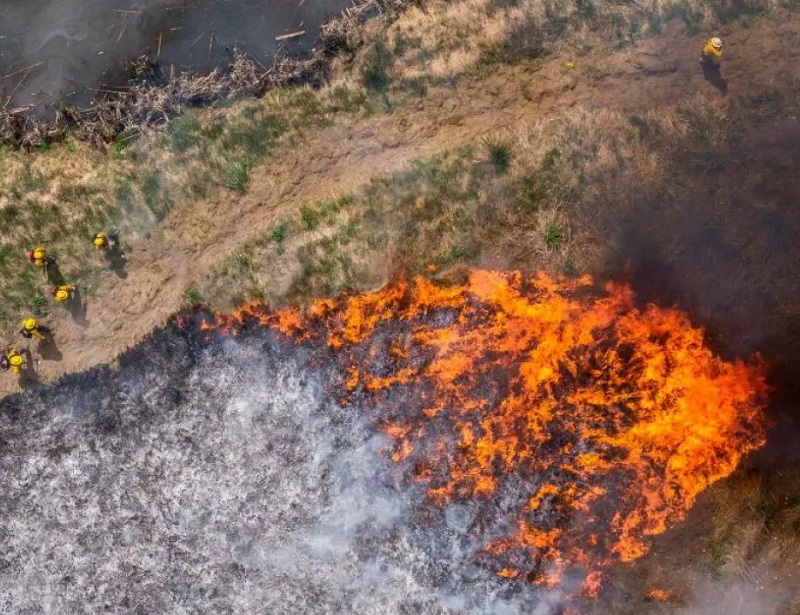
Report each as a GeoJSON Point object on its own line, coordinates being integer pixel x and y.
{"type": "Point", "coordinates": [197, 39]}
{"type": "Point", "coordinates": [160, 35]}
{"type": "Point", "coordinates": [22, 70]}
{"type": "Point", "coordinates": [16, 87]}
{"type": "Point", "coordinates": [210, 43]}
{"type": "Point", "coordinates": [283, 37]}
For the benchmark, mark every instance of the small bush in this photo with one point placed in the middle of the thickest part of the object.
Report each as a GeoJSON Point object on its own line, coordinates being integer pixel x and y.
{"type": "Point", "coordinates": [244, 259]}
{"type": "Point", "coordinates": [554, 236]}
{"type": "Point", "coordinates": [192, 296]}
{"type": "Point", "coordinates": [499, 155]}
{"type": "Point", "coordinates": [236, 177]}
{"type": "Point", "coordinates": [39, 306]}
{"type": "Point", "coordinates": [375, 74]}
{"type": "Point", "coordinates": [279, 234]}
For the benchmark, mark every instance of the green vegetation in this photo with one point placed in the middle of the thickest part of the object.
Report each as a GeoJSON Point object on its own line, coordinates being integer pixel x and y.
{"type": "Point", "coordinates": [499, 155]}
{"type": "Point", "coordinates": [440, 212]}
{"type": "Point", "coordinates": [236, 177]}
{"type": "Point", "coordinates": [66, 192]}
{"type": "Point", "coordinates": [192, 296]}
{"type": "Point", "coordinates": [553, 236]}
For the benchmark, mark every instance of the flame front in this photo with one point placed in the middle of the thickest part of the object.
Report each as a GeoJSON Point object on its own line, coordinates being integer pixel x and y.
{"type": "Point", "coordinates": [577, 425]}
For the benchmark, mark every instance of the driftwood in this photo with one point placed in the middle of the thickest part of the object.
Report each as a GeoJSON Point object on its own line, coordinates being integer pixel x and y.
{"type": "Point", "coordinates": [284, 37]}
{"type": "Point", "coordinates": [153, 98]}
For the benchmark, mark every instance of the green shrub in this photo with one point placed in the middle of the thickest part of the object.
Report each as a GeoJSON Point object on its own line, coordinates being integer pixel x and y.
{"type": "Point", "coordinates": [236, 177]}
{"type": "Point", "coordinates": [499, 155]}
{"type": "Point", "coordinates": [554, 236]}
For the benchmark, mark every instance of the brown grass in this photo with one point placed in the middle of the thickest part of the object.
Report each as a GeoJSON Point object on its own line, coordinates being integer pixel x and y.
{"type": "Point", "coordinates": [444, 39]}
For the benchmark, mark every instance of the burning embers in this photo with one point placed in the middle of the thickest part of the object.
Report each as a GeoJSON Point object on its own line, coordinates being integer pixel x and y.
{"type": "Point", "coordinates": [575, 424]}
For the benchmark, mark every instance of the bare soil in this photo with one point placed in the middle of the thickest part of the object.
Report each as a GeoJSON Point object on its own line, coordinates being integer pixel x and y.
{"type": "Point", "coordinates": [197, 237]}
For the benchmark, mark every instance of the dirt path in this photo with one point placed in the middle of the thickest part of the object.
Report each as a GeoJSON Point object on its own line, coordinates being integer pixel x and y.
{"type": "Point", "coordinates": [197, 237]}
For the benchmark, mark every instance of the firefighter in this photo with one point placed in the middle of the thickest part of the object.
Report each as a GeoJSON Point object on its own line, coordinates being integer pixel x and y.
{"type": "Point", "coordinates": [100, 241]}
{"type": "Point", "coordinates": [13, 360]}
{"type": "Point", "coordinates": [110, 244]}
{"type": "Point", "coordinates": [712, 52]}
{"type": "Point", "coordinates": [38, 256]}
{"type": "Point", "coordinates": [31, 328]}
{"type": "Point", "coordinates": [63, 293]}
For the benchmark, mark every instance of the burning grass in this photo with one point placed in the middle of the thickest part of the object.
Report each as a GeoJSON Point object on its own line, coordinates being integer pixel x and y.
{"type": "Point", "coordinates": [591, 424]}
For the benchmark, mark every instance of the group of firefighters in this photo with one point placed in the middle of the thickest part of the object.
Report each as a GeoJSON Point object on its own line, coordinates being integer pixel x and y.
{"type": "Point", "coordinates": [14, 358]}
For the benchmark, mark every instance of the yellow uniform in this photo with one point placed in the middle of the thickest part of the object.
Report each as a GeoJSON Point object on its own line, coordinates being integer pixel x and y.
{"type": "Point", "coordinates": [712, 51]}
{"type": "Point", "coordinates": [38, 256]}
{"type": "Point", "coordinates": [62, 293]}
{"type": "Point", "coordinates": [100, 241]}
{"type": "Point", "coordinates": [31, 328]}
{"type": "Point", "coordinates": [15, 361]}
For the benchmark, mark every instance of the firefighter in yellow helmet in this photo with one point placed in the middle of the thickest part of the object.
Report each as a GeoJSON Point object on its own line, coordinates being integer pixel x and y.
{"type": "Point", "coordinates": [712, 52]}
{"type": "Point", "coordinates": [31, 328]}
{"type": "Point", "coordinates": [109, 243]}
{"type": "Point", "coordinates": [100, 241]}
{"type": "Point", "coordinates": [62, 294]}
{"type": "Point", "coordinates": [13, 360]}
{"type": "Point", "coordinates": [38, 256]}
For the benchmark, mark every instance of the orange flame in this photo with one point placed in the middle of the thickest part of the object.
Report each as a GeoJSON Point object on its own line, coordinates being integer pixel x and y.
{"type": "Point", "coordinates": [594, 423]}
{"type": "Point", "coordinates": [660, 595]}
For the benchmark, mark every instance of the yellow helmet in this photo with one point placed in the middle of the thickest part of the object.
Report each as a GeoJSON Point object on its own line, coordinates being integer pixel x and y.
{"type": "Point", "coordinates": [716, 42]}
{"type": "Point", "coordinates": [16, 359]}
{"type": "Point", "coordinates": [99, 240]}
{"type": "Point", "coordinates": [29, 323]}
{"type": "Point", "coordinates": [61, 295]}
{"type": "Point", "coordinates": [39, 253]}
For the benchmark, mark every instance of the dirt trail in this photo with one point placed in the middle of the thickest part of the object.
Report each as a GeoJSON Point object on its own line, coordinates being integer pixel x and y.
{"type": "Point", "coordinates": [197, 237]}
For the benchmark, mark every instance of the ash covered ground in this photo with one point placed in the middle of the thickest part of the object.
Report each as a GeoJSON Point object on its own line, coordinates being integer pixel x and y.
{"type": "Point", "coordinates": [222, 477]}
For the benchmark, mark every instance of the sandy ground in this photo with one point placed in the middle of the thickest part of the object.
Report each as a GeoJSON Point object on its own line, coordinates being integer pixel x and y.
{"type": "Point", "coordinates": [197, 237]}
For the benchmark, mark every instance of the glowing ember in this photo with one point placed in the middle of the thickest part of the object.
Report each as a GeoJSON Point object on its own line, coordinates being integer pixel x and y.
{"type": "Point", "coordinates": [576, 424]}
{"type": "Point", "coordinates": [660, 595]}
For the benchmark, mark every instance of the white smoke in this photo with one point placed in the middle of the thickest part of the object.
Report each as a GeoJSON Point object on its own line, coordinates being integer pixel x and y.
{"type": "Point", "coordinates": [234, 484]}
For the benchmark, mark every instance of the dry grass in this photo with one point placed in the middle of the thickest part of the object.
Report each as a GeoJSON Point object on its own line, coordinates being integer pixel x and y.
{"type": "Point", "coordinates": [534, 210]}
{"type": "Point", "coordinates": [62, 194]}
{"type": "Point", "coordinates": [441, 40]}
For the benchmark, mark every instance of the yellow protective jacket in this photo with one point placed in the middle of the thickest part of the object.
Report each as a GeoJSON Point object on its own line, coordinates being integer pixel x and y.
{"type": "Point", "coordinates": [15, 361]}
{"type": "Point", "coordinates": [38, 257]}
{"type": "Point", "coordinates": [34, 330]}
{"type": "Point", "coordinates": [63, 293]}
{"type": "Point", "coordinates": [710, 51]}
{"type": "Point", "coordinates": [100, 241]}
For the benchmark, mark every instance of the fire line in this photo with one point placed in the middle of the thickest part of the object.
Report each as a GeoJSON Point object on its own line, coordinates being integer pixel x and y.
{"type": "Point", "coordinates": [576, 425]}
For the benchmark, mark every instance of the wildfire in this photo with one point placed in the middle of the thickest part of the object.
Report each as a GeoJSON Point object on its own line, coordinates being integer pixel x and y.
{"type": "Point", "coordinates": [660, 595]}
{"type": "Point", "coordinates": [578, 425]}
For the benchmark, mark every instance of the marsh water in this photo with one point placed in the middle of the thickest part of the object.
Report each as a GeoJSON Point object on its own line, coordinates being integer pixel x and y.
{"type": "Point", "coordinates": [69, 51]}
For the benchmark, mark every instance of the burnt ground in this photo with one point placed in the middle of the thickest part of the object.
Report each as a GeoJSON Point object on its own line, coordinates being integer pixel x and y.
{"type": "Point", "coordinates": [722, 243]}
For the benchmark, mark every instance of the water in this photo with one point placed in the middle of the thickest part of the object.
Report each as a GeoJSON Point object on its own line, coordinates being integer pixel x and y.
{"type": "Point", "coordinates": [222, 477]}
{"type": "Point", "coordinates": [78, 47]}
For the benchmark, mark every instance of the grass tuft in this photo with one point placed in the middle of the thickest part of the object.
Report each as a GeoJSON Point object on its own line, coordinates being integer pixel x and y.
{"type": "Point", "coordinates": [499, 155]}
{"type": "Point", "coordinates": [236, 177]}
{"type": "Point", "coordinates": [554, 236]}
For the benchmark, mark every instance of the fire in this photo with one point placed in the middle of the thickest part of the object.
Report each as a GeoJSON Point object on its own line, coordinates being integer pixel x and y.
{"type": "Point", "coordinates": [579, 425]}
{"type": "Point", "coordinates": [660, 595]}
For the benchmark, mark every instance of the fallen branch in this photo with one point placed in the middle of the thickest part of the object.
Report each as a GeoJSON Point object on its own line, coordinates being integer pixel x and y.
{"type": "Point", "coordinates": [284, 37]}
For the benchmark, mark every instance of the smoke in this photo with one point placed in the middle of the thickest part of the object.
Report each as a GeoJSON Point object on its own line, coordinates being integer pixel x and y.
{"type": "Point", "coordinates": [222, 477]}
